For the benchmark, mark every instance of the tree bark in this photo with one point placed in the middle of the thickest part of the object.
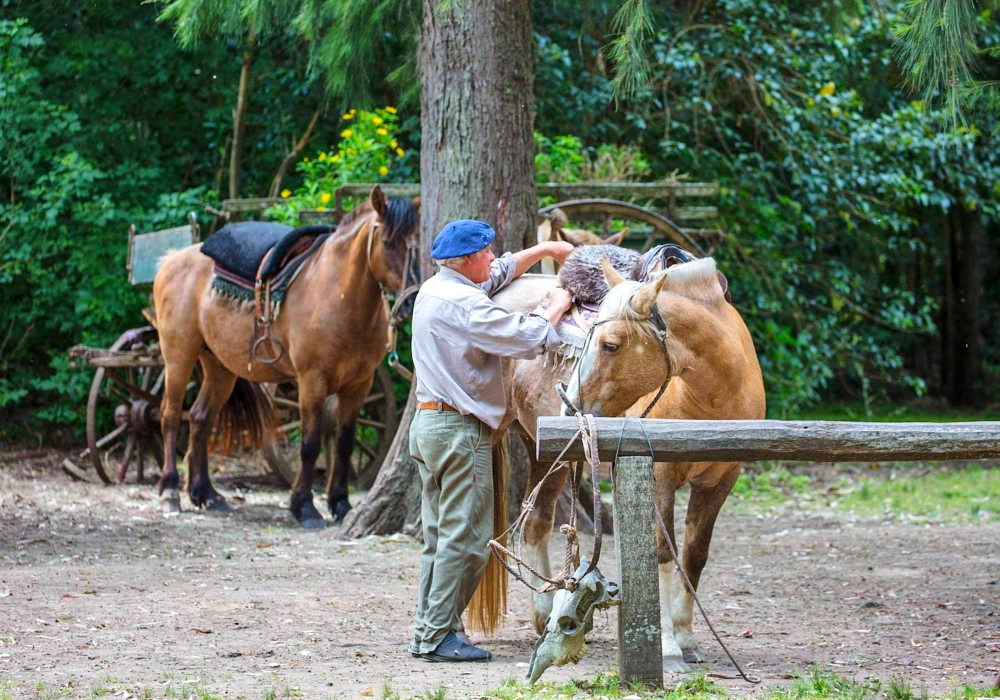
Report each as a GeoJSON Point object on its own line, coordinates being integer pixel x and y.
{"type": "Point", "coordinates": [293, 154]}
{"type": "Point", "coordinates": [239, 120]}
{"type": "Point", "coordinates": [476, 161]}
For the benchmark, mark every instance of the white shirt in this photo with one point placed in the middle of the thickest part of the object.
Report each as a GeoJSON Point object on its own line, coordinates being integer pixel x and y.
{"type": "Point", "coordinates": [460, 334]}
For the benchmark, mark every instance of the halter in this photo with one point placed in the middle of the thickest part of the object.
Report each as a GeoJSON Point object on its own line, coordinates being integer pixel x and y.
{"type": "Point", "coordinates": [661, 334]}
{"type": "Point", "coordinates": [404, 293]}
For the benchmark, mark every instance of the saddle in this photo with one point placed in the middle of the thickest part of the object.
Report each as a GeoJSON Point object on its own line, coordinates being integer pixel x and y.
{"type": "Point", "coordinates": [256, 262]}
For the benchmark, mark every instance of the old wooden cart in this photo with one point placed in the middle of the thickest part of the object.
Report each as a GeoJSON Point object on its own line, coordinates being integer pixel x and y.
{"type": "Point", "coordinates": [123, 407]}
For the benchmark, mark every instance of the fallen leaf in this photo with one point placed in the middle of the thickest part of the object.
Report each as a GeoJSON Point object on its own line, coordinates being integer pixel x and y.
{"type": "Point", "coordinates": [368, 692]}
{"type": "Point", "coordinates": [201, 631]}
{"type": "Point", "coordinates": [748, 634]}
{"type": "Point", "coordinates": [264, 545]}
{"type": "Point", "coordinates": [69, 595]}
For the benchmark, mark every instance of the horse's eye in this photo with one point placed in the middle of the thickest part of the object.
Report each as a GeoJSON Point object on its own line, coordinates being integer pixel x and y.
{"type": "Point", "coordinates": [609, 347]}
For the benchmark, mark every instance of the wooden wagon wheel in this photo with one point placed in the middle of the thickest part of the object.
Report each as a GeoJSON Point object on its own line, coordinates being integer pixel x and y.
{"type": "Point", "coordinates": [376, 427]}
{"type": "Point", "coordinates": [123, 409]}
{"type": "Point", "coordinates": [583, 208]}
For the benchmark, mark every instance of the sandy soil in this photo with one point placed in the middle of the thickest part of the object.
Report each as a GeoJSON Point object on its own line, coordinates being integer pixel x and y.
{"type": "Point", "coordinates": [94, 582]}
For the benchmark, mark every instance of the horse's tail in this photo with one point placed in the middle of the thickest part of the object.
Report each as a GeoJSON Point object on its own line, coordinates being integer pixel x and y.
{"type": "Point", "coordinates": [489, 602]}
{"type": "Point", "coordinates": [247, 420]}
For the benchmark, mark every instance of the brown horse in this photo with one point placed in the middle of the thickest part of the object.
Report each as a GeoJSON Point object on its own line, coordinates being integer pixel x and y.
{"type": "Point", "coordinates": [716, 376]}
{"type": "Point", "coordinates": [332, 326]}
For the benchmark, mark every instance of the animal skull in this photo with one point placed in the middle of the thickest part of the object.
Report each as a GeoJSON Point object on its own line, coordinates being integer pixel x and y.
{"type": "Point", "coordinates": [572, 617]}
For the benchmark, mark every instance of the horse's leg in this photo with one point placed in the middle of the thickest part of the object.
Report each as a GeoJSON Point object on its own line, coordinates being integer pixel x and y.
{"type": "Point", "coordinates": [348, 406]}
{"type": "Point", "coordinates": [665, 486]}
{"type": "Point", "coordinates": [216, 386]}
{"type": "Point", "coordinates": [178, 373]}
{"type": "Point", "coordinates": [312, 397]}
{"type": "Point", "coordinates": [703, 509]}
{"type": "Point", "coordinates": [538, 529]}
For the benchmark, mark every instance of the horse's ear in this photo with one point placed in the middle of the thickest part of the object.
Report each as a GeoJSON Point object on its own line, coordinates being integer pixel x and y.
{"type": "Point", "coordinates": [611, 275]}
{"type": "Point", "coordinates": [616, 239]}
{"type": "Point", "coordinates": [416, 203]}
{"type": "Point", "coordinates": [558, 218]}
{"type": "Point", "coordinates": [377, 200]}
{"type": "Point", "coordinates": [579, 237]}
{"type": "Point", "coordinates": [642, 302]}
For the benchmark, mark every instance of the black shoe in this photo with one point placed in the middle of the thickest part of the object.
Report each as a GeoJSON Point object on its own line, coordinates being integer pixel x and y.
{"type": "Point", "coordinates": [452, 649]}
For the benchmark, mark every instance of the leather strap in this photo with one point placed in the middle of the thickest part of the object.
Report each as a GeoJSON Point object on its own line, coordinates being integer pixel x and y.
{"type": "Point", "coordinates": [436, 406]}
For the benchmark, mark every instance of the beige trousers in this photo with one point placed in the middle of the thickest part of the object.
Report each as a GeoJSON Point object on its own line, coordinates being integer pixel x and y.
{"type": "Point", "coordinates": [455, 462]}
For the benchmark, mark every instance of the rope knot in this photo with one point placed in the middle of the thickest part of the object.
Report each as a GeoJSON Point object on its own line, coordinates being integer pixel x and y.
{"type": "Point", "coordinates": [569, 531]}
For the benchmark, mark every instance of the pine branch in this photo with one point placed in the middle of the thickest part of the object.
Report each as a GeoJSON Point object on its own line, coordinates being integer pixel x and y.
{"type": "Point", "coordinates": [633, 22]}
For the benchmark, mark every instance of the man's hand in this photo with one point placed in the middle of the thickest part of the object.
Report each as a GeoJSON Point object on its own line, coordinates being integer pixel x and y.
{"type": "Point", "coordinates": [559, 250]}
{"type": "Point", "coordinates": [559, 301]}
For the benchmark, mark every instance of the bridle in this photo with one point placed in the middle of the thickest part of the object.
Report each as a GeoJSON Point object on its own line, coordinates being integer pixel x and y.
{"type": "Point", "coordinates": [404, 293]}
{"type": "Point", "coordinates": [661, 334]}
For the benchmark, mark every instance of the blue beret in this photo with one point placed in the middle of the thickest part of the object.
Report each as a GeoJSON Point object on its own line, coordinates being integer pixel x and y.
{"type": "Point", "coordinates": [462, 237]}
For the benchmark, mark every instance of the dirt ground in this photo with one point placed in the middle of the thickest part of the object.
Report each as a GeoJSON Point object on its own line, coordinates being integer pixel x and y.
{"type": "Point", "coordinates": [97, 588]}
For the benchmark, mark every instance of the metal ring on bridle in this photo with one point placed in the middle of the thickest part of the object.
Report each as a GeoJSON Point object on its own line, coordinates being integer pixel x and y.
{"type": "Point", "coordinates": [274, 342]}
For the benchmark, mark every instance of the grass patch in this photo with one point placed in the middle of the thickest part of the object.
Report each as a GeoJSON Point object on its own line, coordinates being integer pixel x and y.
{"type": "Point", "coordinates": [892, 413]}
{"type": "Point", "coordinates": [818, 686]}
{"type": "Point", "coordinates": [962, 494]}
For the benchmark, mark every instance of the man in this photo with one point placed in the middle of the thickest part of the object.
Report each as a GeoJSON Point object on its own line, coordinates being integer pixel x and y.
{"type": "Point", "coordinates": [459, 336]}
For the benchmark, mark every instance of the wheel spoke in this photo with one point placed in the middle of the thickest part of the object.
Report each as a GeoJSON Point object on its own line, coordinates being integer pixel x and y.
{"type": "Point", "coordinates": [290, 426]}
{"type": "Point", "coordinates": [365, 448]}
{"type": "Point", "coordinates": [111, 437]}
{"type": "Point", "coordinates": [371, 423]}
{"type": "Point", "coordinates": [374, 397]}
{"type": "Point", "coordinates": [286, 403]}
{"type": "Point", "coordinates": [158, 384]}
{"type": "Point", "coordinates": [123, 467]}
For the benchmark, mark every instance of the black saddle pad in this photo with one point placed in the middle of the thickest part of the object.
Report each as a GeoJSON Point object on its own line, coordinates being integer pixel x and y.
{"type": "Point", "coordinates": [240, 247]}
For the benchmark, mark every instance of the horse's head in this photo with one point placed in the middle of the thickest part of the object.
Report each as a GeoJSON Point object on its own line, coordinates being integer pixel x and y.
{"type": "Point", "coordinates": [578, 237]}
{"type": "Point", "coordinates": [395, 260]}
{"type": "Point", "coordinates": [624, 359]}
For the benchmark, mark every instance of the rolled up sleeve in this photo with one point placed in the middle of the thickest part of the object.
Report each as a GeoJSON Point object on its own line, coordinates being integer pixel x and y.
{"type": "Point", "coordinates": [501, 274]}
{"type": "Point", "coordinates": [498, 332]}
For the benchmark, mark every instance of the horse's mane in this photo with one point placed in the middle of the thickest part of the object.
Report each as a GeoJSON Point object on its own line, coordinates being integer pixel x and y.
{"type": "Point", "coordinates": [401, 217]}
{"type": "Point", "coordinates": [696, 279]}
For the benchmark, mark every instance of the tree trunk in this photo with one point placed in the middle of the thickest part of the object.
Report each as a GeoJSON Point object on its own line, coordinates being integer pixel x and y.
{"type": "Point", "coordinates": [239, 119]}
{"type": "Point", "coordinates": [949, 326]}
{"type": "Point", "coordinates": [476, 161]}
{"type": "Point", "coordinates": [293, 154]}
{"type": "Point", "coordinates": [970, 303]}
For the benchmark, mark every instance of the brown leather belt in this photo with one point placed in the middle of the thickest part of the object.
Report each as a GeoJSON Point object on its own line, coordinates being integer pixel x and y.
{"type": "Point", "coordinates": [436, 406]}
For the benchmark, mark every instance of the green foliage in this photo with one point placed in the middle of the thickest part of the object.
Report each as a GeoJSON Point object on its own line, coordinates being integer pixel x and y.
{"type": "Point", "coordinates": [366, 152]}
{"type": "Point", "coordinates": [565, 159]}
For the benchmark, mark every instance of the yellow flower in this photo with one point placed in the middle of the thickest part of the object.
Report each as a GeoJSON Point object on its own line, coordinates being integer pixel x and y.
{"type": "Point", "coordinates": [400, 152]}
{"type": "Point", "coordinates": [320, 208]}
{"type": "Point", "coordinates": [349, 115]}
{"type": "Point", "coordinates": [390, 110]}
{"type": "Point", "coordinates": [377, 120]}
{"type": "Point", "coordinates": [306, 159]}
{"type": "Point", "coordinates": [353, 112]}
{"type": "Point", "coordinates": [346, 134]}
{"type": "Point", "coordinates": [383, 171]}
{"type": "Point", "coordinates": [393, 143]}
{"type": "Point", "coordinates": [286, 193]}
{"type": "Point", "coordinates": [381, 132]}
{"type": "Point", "coordinates": [322, 157]}
{"type": "Point", "coordinates": [810, 102]}
{"type": "Point", "coordinates": [334, 159]}
{"type": "Point", "coordinates": [828, 89]}
{"type": "Point", "coordinates": [325, 197]}
{"type": "Point", "coordinates": [835, 111]}
{"type": "Point", "coordinates": [351, 151]}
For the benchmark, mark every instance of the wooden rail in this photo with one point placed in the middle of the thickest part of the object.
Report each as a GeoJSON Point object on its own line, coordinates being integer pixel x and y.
{"type": "Point", "coordinates": [632, 439]}
{"type": "Point", "coordinates": [751, 440]}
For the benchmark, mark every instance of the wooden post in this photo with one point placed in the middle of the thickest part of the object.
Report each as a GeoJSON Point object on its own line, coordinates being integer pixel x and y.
{"type": "Point", "coordinates": [639, 650]}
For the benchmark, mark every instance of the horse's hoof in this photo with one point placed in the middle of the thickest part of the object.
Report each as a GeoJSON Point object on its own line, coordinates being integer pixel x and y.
{"type": "Point", "coordinates": [694, 656]}
{"type": "Point", "coordinates": [675, 664]}
{"type": "Point", "coordinates": [170, 502]}
{"type": "Point", "coordinates": [307, 516]}
{"type": "Point", "coordinates": [218, 504]}
{"type": "Point", "coordinates": [314, 524]}
{"type": "Point", "coordinates": [339, 510]}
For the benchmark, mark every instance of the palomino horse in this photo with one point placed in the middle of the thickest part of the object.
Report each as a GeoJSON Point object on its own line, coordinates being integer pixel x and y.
{"type": "Point", "coordinates": [332, 326]}
{"type": "Point", "coordinates": [715, 376]}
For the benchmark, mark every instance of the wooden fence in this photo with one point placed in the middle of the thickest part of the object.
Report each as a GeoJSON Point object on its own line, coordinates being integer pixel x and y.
{"type": "Point", "coordinates": [639, 648]}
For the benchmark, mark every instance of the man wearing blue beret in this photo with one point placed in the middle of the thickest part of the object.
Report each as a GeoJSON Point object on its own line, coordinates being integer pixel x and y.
{"type": "Point", "coordinates": [459, 336]}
